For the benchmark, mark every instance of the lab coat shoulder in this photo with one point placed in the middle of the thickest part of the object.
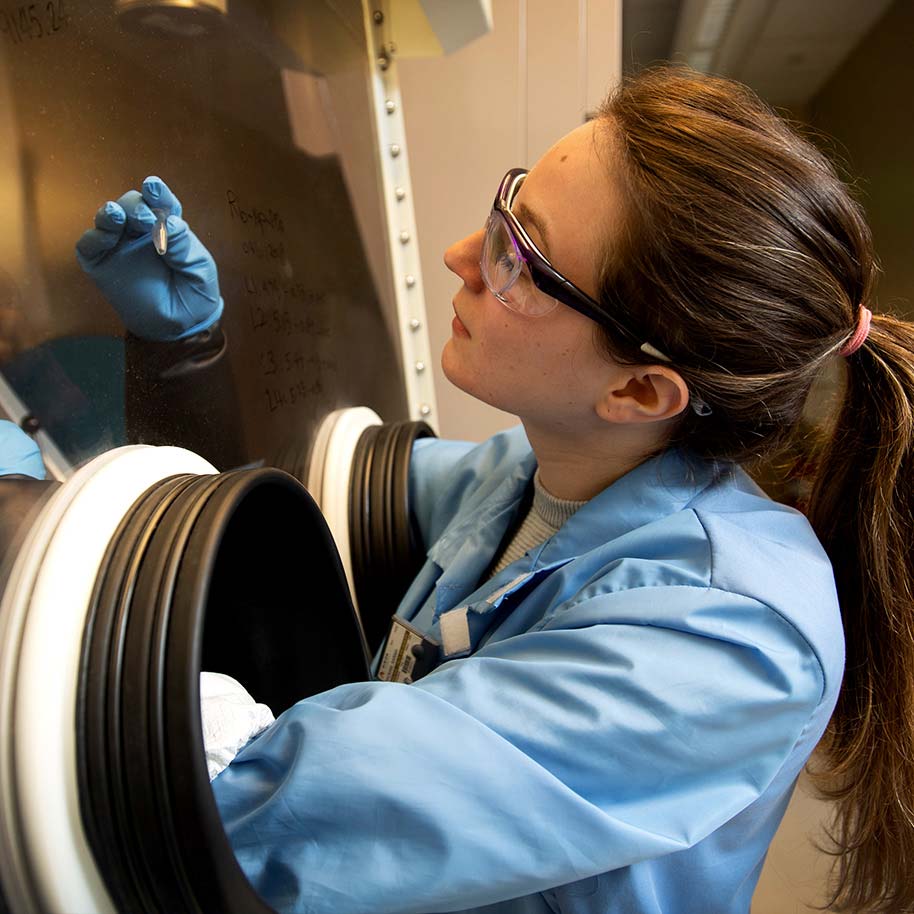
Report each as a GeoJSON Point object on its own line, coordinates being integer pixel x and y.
{"type": "Point", "coordinates": [768, 552]}
{"type": "Point", "coordinates": [447, 477]}
{"type": "Point", "coordinates": [678, 528]}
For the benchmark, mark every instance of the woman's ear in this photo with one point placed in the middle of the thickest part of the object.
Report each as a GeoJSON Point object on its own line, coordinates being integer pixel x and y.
{"type": "Point", "coordinates": [643, 393]}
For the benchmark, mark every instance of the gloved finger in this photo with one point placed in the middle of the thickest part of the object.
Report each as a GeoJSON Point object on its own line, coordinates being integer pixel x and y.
{"type": "Point", "coordinates": [158, 195]}
{"type": "Point", "coordinates": [109, 228]}
{"type": "Point", "coordinates": [110, 218]}
{"type": "Point", "coordinates": [140, 218]}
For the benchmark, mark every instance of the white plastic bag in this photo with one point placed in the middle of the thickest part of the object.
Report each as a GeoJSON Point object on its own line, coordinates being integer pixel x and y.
{"type": "Point", "coordinates": [230, 718]}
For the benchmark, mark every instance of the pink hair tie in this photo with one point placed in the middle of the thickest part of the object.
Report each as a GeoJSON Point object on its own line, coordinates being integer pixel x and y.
{"type": "Point", "coordinates": [860, 334]}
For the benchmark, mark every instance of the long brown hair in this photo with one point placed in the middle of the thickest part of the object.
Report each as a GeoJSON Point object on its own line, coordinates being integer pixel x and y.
{"type": "Point", "coordinates": [744, 258]}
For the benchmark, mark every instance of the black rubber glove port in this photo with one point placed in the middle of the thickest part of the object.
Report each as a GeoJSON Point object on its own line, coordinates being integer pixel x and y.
{"type": "Point", "coordinates": [385, 545]}
{"type": "Point", "coordinates": [235, 573]}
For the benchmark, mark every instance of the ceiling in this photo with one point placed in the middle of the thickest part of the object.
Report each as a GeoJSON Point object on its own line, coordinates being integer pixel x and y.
{"type": "Point", "coordinates": [786, 50]}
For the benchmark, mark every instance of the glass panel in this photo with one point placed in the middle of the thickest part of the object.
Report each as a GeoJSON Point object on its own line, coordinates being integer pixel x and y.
{"type": "Point", "coordinates": [257, 114]}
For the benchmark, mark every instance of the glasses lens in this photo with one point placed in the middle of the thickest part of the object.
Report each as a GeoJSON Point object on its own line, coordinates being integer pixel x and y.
{"type": "Point", "coordinates": [507, 275]}
{"type": "Point", "coordinates": [524, 297]}
{"type": "Point", "coordinates": [500, 261]}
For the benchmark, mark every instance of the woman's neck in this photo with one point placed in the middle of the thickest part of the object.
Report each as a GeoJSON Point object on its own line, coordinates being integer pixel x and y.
{"type": "Point", "coordinates": [578, 466]}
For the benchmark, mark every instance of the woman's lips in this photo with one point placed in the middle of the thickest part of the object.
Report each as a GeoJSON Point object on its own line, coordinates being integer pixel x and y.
{"type": "Point", "coordinates": [458, 327]}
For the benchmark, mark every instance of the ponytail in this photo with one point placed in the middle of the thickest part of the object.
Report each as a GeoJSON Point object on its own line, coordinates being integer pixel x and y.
{"type": "Point", "coordinates": [862, 508]}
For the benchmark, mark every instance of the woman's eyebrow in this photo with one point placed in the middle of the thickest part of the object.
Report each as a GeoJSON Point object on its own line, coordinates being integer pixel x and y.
{"type": "Point", "coordinates": [528, 217]}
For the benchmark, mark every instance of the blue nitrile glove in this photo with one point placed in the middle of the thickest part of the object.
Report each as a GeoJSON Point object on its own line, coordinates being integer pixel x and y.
{"type": "Point", "coordinates": [18, 453]}
{"type": "Point", "coordinates": [158, 296]}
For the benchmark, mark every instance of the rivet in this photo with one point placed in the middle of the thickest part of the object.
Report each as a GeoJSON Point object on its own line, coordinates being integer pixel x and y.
{"type": "Point", "coordinates": [425, 409]}
{"type": "Point", "coordinates": [378, 17]}
{"type": "Point", "coordinates": [420, 367]}
{"type": "Point", "coordinates": [410, 280]}
{"type": "Point", "coordinates": [383, 63]}
{"type": "Point", "coordinates": [390, 106]}
{"type": "Point", "coordinates": [399, 193]}
{"type": "Point", "coordinates": [394, 150]}
{"type": "Point", "coordinates": [415, 324]}
{"type": "Point", "coordinates": [404, 237]}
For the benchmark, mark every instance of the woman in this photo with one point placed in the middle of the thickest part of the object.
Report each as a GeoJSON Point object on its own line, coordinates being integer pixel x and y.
{"type": "Point", "coordinates": [638, 650]}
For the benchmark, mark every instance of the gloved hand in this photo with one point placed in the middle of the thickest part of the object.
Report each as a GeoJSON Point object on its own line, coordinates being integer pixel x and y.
{"type": "Point", "coordinates": [158, 296]}
{"type": "Point", "coordinates": [18, 453]}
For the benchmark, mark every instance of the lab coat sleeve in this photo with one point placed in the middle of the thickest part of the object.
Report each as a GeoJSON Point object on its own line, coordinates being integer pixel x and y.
{"type": "Point", "coordinates": [628, 726]}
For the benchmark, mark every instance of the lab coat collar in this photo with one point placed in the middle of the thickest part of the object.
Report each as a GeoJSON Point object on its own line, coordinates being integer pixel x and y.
{"type": "Point", "coordinates": [467, 547]}
{"type": "Point", "coordinates": [656, 488]}
{"type": "Point", "coordinates": [486, 515]}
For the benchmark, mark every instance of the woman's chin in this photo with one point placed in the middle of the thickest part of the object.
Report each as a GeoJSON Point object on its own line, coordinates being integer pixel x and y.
{"type": "Point", "coordinates": [450, 365]}
{"type": "Point", "coordinates": [455, 370]}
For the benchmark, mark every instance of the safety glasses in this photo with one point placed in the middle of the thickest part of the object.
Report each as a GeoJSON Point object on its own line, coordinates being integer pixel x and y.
{"type": "Point", "coordinates": [518, 274]}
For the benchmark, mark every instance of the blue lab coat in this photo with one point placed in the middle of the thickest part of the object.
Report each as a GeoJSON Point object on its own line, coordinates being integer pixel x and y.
{"type": "Point", "coordinates": [641, 692]}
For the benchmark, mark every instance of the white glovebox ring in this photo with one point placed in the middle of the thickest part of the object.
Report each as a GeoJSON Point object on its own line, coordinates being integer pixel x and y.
{"type": "Point", "coordinates": [54, 578]}
{"type": "Point", "coordinates": [331, 471]}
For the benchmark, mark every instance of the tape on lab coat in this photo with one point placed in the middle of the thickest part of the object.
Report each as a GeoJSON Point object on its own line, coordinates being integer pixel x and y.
{"type": "Point", "coordinates": [455, 632]}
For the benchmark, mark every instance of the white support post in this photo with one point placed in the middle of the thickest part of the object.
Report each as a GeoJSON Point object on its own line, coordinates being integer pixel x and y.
{"type": "Point", "coordinates": [390, 136]}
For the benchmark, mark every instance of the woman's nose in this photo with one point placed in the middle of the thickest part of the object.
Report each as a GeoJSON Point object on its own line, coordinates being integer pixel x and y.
{"type": "Point", "coordinates": [462, 258]}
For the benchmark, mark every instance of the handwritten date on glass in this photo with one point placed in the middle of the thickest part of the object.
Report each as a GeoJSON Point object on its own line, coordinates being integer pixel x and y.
{"type": "Point", "coordinates": [283, 322]}
{"type": "Point", "coordinates": [272, 362]}
{"type": "Point", "coordinates": [292, 394]}
{"type": "Point", "coordinates": [31, 21]}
